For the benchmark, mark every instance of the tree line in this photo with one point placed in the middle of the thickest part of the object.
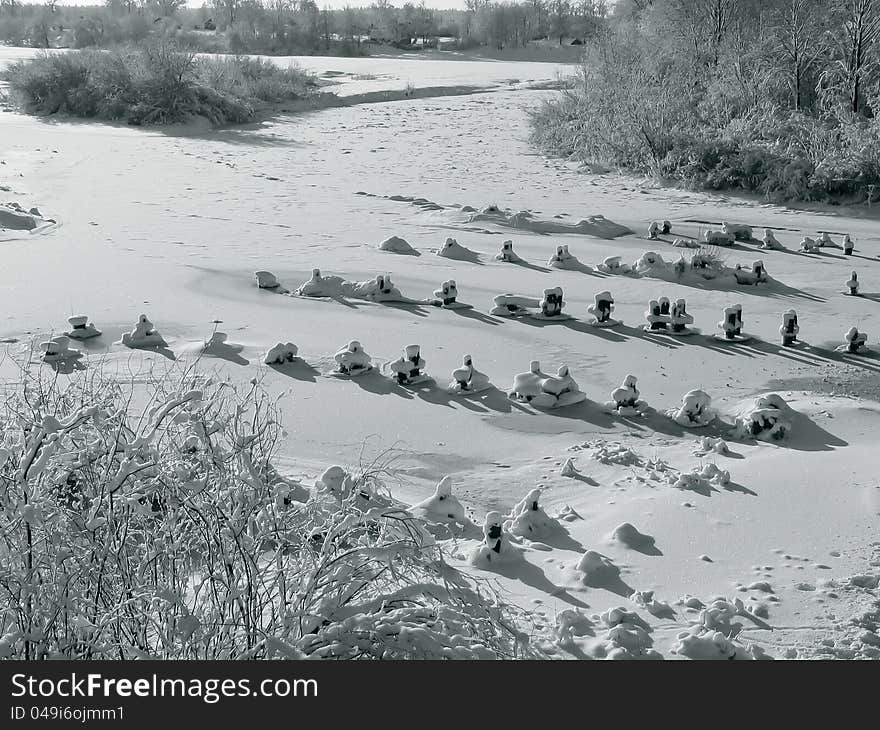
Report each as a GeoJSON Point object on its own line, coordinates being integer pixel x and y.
{"type": "Point", "coordinates": [302, 26]}
{"type": "Point", "coordinates": [771, 96]}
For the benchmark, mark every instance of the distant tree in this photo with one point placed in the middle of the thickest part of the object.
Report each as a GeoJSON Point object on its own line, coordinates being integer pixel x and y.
{"type": "Point", "coordinates": [560, 13]}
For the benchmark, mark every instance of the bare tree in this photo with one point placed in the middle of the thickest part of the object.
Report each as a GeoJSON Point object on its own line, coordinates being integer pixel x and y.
{"type": "Point", "coordinates": [798, 41]}
{"type": "Point", "coordinates": [856, 45]}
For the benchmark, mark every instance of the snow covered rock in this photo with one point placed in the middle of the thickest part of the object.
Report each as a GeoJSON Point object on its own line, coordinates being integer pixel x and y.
{"type": "Point", "coordinates": [143, 335]}
{"type": "Point", "coordinates": [546, 391]}
{"type": "Point", "coordinates": [281, 353]}
{"type": "Point", "coordinates": [627, 636]}
{"type": "Point", "coordinates": [569, 470]}
{"type": "Point", "coordinates": [467, 379]}
{"type": "Point", "coordinates": [496, 548]}
{"type": "Point", "coordinates": [731, 326]}
{"type": "Point", "coordinates": [601, 309]}
{"type": "Point", "coordinates": [694, 411]}
{"type": "Point", "coordinates": [597, 571]}
{"type": "Point", "coordinates": [447, 296]}
{"type": "Point", "coordinates": [650, 263]}
{"type": "Point", "coordinates": [57, 350]}
{"type": "Point", "coordinates": [825, 240]}
{"type": "Point", "coordinates": [809, 245]}
{"type": "Point", "coordinates": [625, 399]}
{"type": "Point", "coordinates": [737, 231]}
{"type": "Point", "coordinates": [680, 319]}
{"type": "Point", "coordinates": [767, 418]}
{"type": "Point", "coordinates": [81, 328]}
{"type": "Point", "coordinates": [789, 328]}
{"type": "Point", "coordinates": [718, 238]}
{"type": "Point", "coordinates": [646, 600]}
{"type": "Point", "coordinates": [628, 536]}
{"type": "Point", "coordinates": [707, 645]}
{"type": "Point", "coordinates": [527, 519]}
{"type": "Point", "coordinates": [552, 305]}
{"type": "Point", "coordinates": [452, 249]}
{"type": "Point", "coordinates": [853, 284]}
{"type": "Point", "coordinates": [715, 475]}
{"type": "Point", "coordinates": [382, 290]}
{"type": "Point", "coordinates": [563, 259]}
{"type": "Point", "coordinates": [855, 342]}
{"type": "Point", "coordinates": [395, 244]}
{"type": "Point", "coordinates": [769, 241]}
{"type": "Point", "coordinates": [442, 506]}
{"type": "Point", "coordinates": [613, 265]}
{"type": "Point", "coordinates": [317, 286]}
{"type": "Point", "coordinates": [407, 369]}
{"type": "Point", "coordinates": [756, 275]}
{"type": "Point", "coordinates": [266, 280]}
{"type": "Point", "coordinates": [335, 481]}
{"type": "Point", "coordinates": [507, 253]}
{"type": "Point", "coordinates": [685, 243]}
{"type": "Point", "coordinates": [513, 305]}
{"type": "Point", "coordinates": [658, 321]}
{"type": "Point", "coordinates": [709, 445]}
{"type": "Point", "coordinates": [352, 360]}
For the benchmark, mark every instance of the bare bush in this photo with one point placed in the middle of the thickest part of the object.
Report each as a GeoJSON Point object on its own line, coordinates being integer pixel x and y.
{"type": "Point", "coordinates": [142, 517]}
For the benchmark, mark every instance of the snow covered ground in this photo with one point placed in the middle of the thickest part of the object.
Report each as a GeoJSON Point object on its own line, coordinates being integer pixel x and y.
{"type": "Point", "coordinates": [174, 223]}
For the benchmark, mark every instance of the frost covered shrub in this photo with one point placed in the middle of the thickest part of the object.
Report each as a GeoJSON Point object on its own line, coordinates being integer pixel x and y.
{"type": "Point", "coordinates": [152, 83]}
{"type": "Point", "coordinates": [147, 521]}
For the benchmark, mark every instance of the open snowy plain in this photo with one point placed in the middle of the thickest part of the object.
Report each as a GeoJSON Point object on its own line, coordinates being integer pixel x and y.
{"type": "Point", "coordinates": [173, 224]}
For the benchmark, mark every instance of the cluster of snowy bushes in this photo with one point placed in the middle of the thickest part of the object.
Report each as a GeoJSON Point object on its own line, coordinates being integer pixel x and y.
{"type": "Point", "coordinates": [777, 99]}
{"type": "Point", "coordinates": [147, 521]}
{"type": "Point", "coordinates": [153, 83]}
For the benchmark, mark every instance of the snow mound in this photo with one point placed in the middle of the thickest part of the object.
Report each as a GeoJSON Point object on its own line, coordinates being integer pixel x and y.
{"type": "Point", "coordinates": [767, 418]}
{"type": "Point", "coordinates": [658, 609]}
{"type": "Point", "coordinates": [706, 645]}
{"type": "Point", "coordinates": [628, 536]}
{"type": "Point", "coordinates": [81, 328]}
{"type": "Point", "coordinates": [380, 289]}
{"type": "Point", "coordinates": [694, 411]}
{"type": "Point", "coordinates": [563, 259]}
{"type": "Point", "coordinates": [709, 445]}
{"type": "Point", "coordinates": [627, 636]}
{"type": "Point", "coordinates": [57, 350]}
{"type": "Point", "coordinates": [281, 353]}
{"type": "Point", "coordinates": [546, 391]}
{"type": "Point", "coordinates": [527, 519]}
{"type": "Point", "coordinates": [467, 379]}
{"type": "Point", "coordinates": [352, 360]}
{"type": "Point", "coordinates": [266, 280]}
{"type": "Point", "coordinates": [597, 571]}
{"type": "Point", "coordinates": [597, 226]}
{"type": "Point", "coordinates": [569, 470]}
{"type": "Point", "coordinates": [442, 506]}
{"type": "Point", "coordinates": [625, 400]}
{"type": "Point", "coordinates": [395, 244]}
{"type": "Point", "coordinates": [13, 217]}
{"type": "Point", "coordinates": [452, 249]}
{"type": "Point", "coordinates": [143, 335]}
{"type": "Point", "coordinates": [496, 548]}
{"type": "Point", "coordinates": [615, 453]}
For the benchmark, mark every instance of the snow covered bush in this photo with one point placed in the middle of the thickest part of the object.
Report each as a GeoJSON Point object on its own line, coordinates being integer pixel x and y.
{"type": "Point", "coordinates": [147, 521]}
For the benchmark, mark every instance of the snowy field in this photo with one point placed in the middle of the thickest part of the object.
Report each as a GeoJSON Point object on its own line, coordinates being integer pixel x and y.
{"type": "Point", "coordinates": [173, 224]}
